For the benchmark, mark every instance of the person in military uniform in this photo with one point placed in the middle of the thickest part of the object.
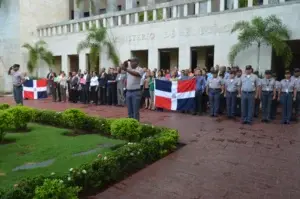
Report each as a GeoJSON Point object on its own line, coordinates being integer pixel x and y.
{"type": "Point", "coordinates": [238, 99]}
{"type": "Point", "coordinates": [231, 92]}
{"type": "Point", "coordinates": [296, 79]}
{"type": "Point", "coordinates": [249, 92]}
{"type": "Point", "coordinates": [274, 104]}
{"type": "Point", "coordinates": [257, 100]}
{"type": "Point", "coordinates": [267, 93]}
{"type": "Point", "coordinates": [215, 87]}
{"type": "Point", "coordinates": [287, 94]}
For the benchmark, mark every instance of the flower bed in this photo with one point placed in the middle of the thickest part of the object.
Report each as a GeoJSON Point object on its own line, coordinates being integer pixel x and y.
{"type": "Point", "coordinates": [146, 144]}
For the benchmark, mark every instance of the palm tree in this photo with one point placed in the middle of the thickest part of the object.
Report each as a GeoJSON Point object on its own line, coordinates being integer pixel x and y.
{"type": "Point", "coordinates": [1, 1]}
{"type": "Point", "coordinates": [96, 39]}
{"type": "Point", "coordinates": [36, 53]}
{"type": "Point", "coordinates": [91, 3]}
{"type": "Point", "coordinates": [269, 31]}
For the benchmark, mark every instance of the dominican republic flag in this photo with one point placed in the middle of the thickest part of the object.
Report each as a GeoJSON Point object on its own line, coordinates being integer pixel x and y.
{"type": "Point", "coordinates": [175, 95]}
{"type": "Point", "coordinates": [35, 89]}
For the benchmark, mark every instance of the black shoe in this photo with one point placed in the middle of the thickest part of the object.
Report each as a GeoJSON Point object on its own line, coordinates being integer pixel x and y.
{"type": "Point", "coordinates": [244, 122]}
{"type": "Point", "coordinates": [263, 120]}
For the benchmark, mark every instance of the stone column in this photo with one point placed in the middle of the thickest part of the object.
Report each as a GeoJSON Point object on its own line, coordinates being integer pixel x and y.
{"type": "Point", "coordinates": [65, 63]}
{"type": "Point", "coordinates": [83, 62]}
{"type": "Point", "coordinates": [184, 61]}
{"type": "Point", "coordinates": [130, 4]}
{"type": "Point", "coordinates": [153, 58]}
{"type": "Point", "coordinates": [77, 10]}
{"type": "Point", "coordinates": [112, 6]}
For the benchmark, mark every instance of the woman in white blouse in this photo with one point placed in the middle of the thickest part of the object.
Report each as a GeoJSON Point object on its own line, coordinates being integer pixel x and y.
{"type": "Point", "coordinates": [94, 88]}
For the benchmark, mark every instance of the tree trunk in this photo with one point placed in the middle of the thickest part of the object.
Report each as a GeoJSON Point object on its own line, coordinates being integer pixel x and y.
{"type": "Point", "coordinates": [258, 56]}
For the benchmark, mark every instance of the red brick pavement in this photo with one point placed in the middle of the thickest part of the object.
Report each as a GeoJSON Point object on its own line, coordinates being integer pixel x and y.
{"type": "Point", "coordinates": [222, 159]}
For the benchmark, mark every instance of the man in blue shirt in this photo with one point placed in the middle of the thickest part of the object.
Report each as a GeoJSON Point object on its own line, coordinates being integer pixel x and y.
{"type": "Point", "coordinates": [200, 88]}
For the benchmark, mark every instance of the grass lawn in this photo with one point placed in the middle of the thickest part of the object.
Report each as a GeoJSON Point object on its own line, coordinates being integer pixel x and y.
{"type": "Point", "coordinates": [43, 143]}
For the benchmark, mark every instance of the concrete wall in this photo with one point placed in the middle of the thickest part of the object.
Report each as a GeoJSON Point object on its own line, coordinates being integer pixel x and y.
{"type": "Point", "coordinates": [9, 40]}
{"type": "Point", "coordinates": [208, 30]}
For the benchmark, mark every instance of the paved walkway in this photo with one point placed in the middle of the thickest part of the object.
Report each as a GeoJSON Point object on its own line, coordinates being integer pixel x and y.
{"type": "Point", "coordinates": [222, 159]}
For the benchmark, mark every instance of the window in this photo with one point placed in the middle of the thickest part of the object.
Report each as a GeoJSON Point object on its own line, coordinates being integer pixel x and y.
{"type": "Point", "coordinates": [102, 11]}
{"type": "Point", "coordinates": [119, 7]}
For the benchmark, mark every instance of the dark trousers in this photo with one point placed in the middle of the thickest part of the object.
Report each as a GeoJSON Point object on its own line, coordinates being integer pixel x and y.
{"type": "Point", "coordinates": [94, 94]}
{"type": "Point", "coordinates": [274, 106]}
{"type": "Point", "coordinates": [54, 93]}
{"type": "Point", "coordinates": [112, 94]}
{"type": "Point", "coordinates": [142, 97]}
{"type": "Point", "coordinates": [222, 104]}
{"type": "Point", "coordinates": [102, 95]}
{"type": "Point", "coordinates": [256, 107]}
{"type": "Point", "coordinates": [18, 94]}
{"type": "Point", "coordinates": [84, 93]}
{"type": "Point", "coordinates": [133, 100]}
{"type": "Point", "coordinates": [231, 103]}
{"type": "Point", "coordinates": [88, 93]}
{"type": "Point", "coordinates": [204, 102]}
{"type": "Point", "coordinates": [198, 102]}
{"type": "Point", "coordinates": [296, 106]}
{"type": "Point", "coordinates": [63, 92]}
{"type": "Point", "coordinates": [58, 92]}
{"type": "Point", "coordinates": [214, 101]}
{"type": "Point", "coordinates": [266, 103]}
{"type": "Point", "coordinates": [286, 100]}
{"type": "Point", "coordinates": [247, 102]}
{"type": "Point", "coordinates": [238, 109]}
{"type": "Point", "coordinates": [73, 95]}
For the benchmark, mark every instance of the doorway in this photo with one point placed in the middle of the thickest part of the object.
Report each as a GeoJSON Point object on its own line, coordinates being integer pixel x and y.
{"type": "Point", "coordinates": [168, 58]}
{"type": "Point", "coordinates": [142, 55]}
{"type": "Point", "coordinates": [202, 57]}
{"type": "Point", "coordinates": [278, 62]}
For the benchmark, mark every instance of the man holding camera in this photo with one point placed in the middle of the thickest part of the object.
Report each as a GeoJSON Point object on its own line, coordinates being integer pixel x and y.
{"type": "Point", "coordinates": [133, 90]}
{"type": "Point", "coordinates": [18, 80]}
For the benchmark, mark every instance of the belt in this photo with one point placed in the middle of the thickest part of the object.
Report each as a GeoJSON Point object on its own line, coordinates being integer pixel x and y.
{"type": "Point", "coordinates": [248, 91]}
{"type": "Point", "coordinates": [267, 91]}
{"type": "Point", "coordinates": [17, 85]}
{"type": "Point", "coordinates": [215, 89]}
{"type": "Point", "coordinates": [231, 91]}
{"type": "Point", "coordinates": [133, 90]}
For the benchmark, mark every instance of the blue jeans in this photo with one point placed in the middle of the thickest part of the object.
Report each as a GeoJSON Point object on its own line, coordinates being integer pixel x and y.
{"type": "Point", "coordinates": [231, 103]}
{"type": "Point", "coordinates": [286, 99]}
{"type": "Point", "coordinates": [266, 103]}
{"type": "Point", "coordinates": [247, 102]}
{"type": "Point", "coordinates": [18, 94]}
{"type": "Point", "coordinates": [214, 101]}
{"type": "Point", "coordinates": [133, 101]}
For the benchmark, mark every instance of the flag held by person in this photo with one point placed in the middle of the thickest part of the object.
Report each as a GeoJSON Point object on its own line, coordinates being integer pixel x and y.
{"type": "Point", "coordinates": [35, 89]}
{"type": "Point", "coordinates": [175, 95]}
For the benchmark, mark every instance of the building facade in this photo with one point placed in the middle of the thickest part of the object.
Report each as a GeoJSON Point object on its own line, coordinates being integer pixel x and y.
{"type": "Point", "coordinates": [164, 34]}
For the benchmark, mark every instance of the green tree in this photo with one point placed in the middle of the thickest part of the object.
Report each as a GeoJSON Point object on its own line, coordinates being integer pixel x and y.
{"type": "Point", "coordinates": [38, 52]}
{"type": "Point", "coordinates": [269, 31]}
{"type": "Point", "coordinates": [91, 4]}
{"type": "Point", "coordinates": [96, 40]}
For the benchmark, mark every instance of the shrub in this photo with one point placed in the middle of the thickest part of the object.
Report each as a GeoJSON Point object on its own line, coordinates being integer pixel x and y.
{"type": "Point", "coordinates": [4, 106]}
{"type": "Point", "coordinates": [48, 117]}
{"type": "Point", "coordinates": [74, 118]}
{"type": "Point", "coordinates": [22, 115]}
{"type": "Point", "coordinates": [6, 119]}
{"type": "Point", "coordinates": [126, 129]}
{"type": "Point", "coordinates": [55, 189]}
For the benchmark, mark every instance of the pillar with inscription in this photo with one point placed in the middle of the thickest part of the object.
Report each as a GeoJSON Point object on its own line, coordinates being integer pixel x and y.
{"type": "Point", "coordinates": [130, 4]}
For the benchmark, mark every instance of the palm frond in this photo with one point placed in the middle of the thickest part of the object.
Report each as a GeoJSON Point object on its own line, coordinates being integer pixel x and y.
{"type": "Point", "coordinates": [41, 43]}
{"type": "Point", "coordinates": [241, 25]}
{"type": "Point", "coordinates": [28, 46]}
{"type": "Point", "coordinates": [94, 57]}
{"type": "Point", "coordinates": [236, 49]}
{"type": "Point", "coordinates": [112, 54]}
{"type": "Point", "coordinates": [32, 61]}
{"type": "Point", "coordinates": [48, 57]}
{"type": "Point", "coordinates": [83, 45]}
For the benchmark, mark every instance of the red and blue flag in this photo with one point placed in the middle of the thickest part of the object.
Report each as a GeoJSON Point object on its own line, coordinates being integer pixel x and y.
{"type": "Point", "coordinates": [35, 89]}
{"type": "Point", "coordinates": [175, 95]}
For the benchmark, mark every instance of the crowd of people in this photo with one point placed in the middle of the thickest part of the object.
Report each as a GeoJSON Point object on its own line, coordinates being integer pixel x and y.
{"type": "Point", "coordinates": [221, 90]}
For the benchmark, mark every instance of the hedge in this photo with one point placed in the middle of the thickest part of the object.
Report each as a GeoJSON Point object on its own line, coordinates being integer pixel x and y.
{"type": "Point", "coordinates": [150, 144]}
